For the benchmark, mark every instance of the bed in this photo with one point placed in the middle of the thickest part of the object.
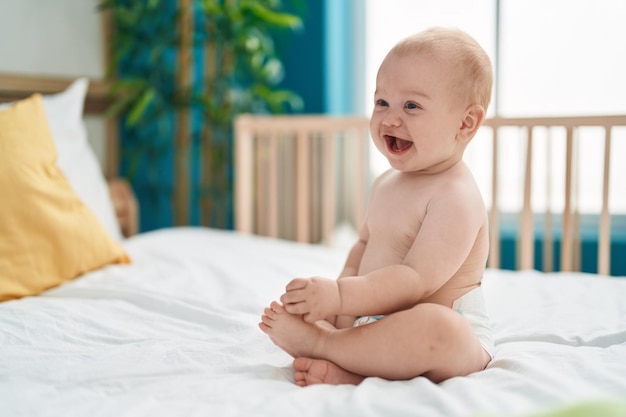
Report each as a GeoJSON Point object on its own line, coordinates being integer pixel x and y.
{"type": "Point", "coordinates": [166, 323]}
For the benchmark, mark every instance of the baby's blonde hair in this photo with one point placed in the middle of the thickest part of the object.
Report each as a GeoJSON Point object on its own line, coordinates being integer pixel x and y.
{"type": "Point", "coordinates": [474, 75]}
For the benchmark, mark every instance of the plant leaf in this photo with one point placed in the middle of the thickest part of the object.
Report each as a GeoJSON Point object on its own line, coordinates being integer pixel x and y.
{"type": "Point", "coordinates": [285, 20]}
{"type": "Point", "coordinates": [140, 106]}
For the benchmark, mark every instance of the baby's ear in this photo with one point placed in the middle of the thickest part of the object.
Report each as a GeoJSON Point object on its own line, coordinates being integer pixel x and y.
{"type": "Point", "coordinates": [472, 120]}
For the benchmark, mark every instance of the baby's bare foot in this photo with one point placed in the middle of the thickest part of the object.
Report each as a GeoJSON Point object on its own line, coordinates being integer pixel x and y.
{"type": "Point", "coordinates": [319, 371]}
{"type": "Point", "coordinates": [291, 333]}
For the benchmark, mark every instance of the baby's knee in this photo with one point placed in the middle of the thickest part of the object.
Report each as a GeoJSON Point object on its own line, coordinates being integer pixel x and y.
{"type": "Point", "coordinates": [440, 322]}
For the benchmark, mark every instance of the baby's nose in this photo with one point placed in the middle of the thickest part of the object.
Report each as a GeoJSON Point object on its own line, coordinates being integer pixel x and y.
{"type": "Point", "coordinates": [392, 119]}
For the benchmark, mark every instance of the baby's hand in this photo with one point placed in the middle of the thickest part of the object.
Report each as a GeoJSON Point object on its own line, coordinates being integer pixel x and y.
{"type": "Point", "coordinates": [314, 298]}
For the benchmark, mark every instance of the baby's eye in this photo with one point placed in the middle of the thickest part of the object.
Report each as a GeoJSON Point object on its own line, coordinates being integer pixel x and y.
{"type": "Point", "coordinates": [381, 103]}
{"type": "Point", "coordinates": [412, 106]}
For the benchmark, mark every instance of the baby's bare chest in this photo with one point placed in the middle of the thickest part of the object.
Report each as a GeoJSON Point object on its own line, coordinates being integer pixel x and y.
{"type": "Point", "coordinates": [394, 220]}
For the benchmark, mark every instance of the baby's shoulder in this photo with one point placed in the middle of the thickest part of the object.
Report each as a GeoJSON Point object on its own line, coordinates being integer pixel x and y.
{"type": "Point", "coordinates": [460, 192]}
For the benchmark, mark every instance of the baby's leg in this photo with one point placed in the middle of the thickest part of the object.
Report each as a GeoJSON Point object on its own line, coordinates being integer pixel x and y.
{"type": "Point", "coordinates": [429, 339]}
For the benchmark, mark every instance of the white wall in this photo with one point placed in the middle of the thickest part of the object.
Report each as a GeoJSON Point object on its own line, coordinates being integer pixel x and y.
{"type": "Point", "coordinates": [55, 38]}
{"type": "Point", "coordinates": [43, 37]}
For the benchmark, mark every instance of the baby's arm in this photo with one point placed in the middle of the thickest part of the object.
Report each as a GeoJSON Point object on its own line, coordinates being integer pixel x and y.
{"type": "Point", "coordinates": [382, 291]}
{"type": "Point", "coordinates": [317, 295]}
{"type": "Point", "coordinates": [351, 268]}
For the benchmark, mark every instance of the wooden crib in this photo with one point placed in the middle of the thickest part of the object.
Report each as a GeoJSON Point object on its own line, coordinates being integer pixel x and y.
{"type": "Point", "coordinates": [297, 177]}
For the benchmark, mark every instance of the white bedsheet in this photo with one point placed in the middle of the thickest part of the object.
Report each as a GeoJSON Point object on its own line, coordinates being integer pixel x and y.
{"type": "Point", "coordinates": [175, 334]}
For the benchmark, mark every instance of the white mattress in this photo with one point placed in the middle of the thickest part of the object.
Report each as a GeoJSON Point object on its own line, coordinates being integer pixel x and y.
{"type": "Point", "coordinates": [175, 334]}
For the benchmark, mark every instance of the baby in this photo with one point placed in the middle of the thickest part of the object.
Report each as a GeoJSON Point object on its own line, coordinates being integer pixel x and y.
{"type": "Point", "coordinates": [408, 301]}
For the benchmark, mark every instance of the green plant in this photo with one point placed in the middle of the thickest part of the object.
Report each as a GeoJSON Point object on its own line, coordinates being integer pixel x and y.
{"type": "Point", "coordinates": [156, 46]}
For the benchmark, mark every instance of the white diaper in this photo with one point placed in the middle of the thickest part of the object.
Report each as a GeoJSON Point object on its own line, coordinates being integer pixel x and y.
{"type": "Point", "coordinates": [472, 307]}
{"type": "Point", "coordinates": [363, 320]}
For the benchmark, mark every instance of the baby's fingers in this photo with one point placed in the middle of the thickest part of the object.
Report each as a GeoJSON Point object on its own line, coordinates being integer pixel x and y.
{"type": "Point", "coordinates": [292, 297]}
{"type": "Point", "coordinates": [297, 308]}
{"type": "Point", "coordinates": [296, 284]}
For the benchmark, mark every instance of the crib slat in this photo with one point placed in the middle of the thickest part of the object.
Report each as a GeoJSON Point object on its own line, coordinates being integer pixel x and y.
{"type": "Point", "coordinates": [244, 206]}
{"type": "Point", "coordinates": [316, 187]}
{"type": "Point", "coordinates": [548, 235]}
{"type": "Point", "coordinates": [526, 253]}
{"type": "Point", "coordinates": [494, 215]}
{"type": "Point", "coordinates": [360, 186]}
{"type": "Point", "coordinates": [302, 187]}
{"type": "Point", "coordinates": [329, 187]}
{"type": "Point", "coordinates": [288, 185]}
{"type": "Point", "coordinates": [576, 220]}
{"type": "Point", "coordinates": [261, 184]}
{"type": "Point", "coordinates": [604, 233]}
{"type": "Point", "coordinates": [567, 234]}
{"type": "Point", "coordinates": [272, 191]}
{"type": "Point", "coordinates": [548, 242]}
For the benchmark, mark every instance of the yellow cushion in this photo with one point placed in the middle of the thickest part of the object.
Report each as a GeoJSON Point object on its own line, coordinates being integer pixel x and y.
{"type": "Point", "coordinates": [47, 235]}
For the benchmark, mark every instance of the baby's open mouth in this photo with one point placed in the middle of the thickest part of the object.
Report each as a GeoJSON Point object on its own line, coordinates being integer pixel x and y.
{"type": "Point", "coordinates": [396, 144]}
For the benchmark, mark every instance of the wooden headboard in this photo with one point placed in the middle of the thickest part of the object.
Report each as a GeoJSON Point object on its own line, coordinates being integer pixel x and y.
{"type": "Point", "coordinates": [14, 87]}
{"type": "Point", "coordinates": [18, 86]}
{"type": "Point", "coordinates": [262, 165]}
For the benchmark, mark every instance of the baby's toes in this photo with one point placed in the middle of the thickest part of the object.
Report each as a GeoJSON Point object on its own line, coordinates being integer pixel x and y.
{"type": "Point", "coordinates": [277, 307]}
{"type": "Point", "coordinates": [267, 319]}
{"type": "Point", "coordinates": [269, 313]}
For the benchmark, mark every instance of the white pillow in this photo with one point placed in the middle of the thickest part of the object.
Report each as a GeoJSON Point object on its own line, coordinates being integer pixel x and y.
{"type": "Point", "coordinates": [76, 158]}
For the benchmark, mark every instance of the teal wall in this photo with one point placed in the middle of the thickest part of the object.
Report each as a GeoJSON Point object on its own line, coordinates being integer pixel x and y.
{"type": "Point", "coordinates": [302, 54]}
{"type": "Point", "coordinates": [322, 61]}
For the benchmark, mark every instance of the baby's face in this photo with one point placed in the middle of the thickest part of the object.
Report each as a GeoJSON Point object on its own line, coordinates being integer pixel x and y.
{"type": "Point", "coordinates": [417, 113]}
